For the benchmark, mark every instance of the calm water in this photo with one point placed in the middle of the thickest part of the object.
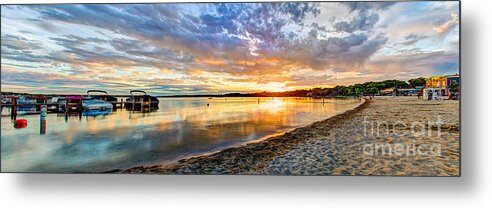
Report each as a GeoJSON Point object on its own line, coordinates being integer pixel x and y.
{"type": "Point", "coordinates": [181, 127]}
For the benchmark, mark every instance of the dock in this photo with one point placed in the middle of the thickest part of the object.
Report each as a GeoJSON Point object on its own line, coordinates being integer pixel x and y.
{"type": "Point", "coordinates": [68, 107]}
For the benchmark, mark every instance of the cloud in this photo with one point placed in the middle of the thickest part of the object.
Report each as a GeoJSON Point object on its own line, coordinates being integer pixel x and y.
{"type": "Point", "coordinates": [444, 26]}
{"type": "Point", "coordinates": [421, 62]}
{"type": "Point", "coordinates": [361, 22]}
{"type": "Point", "coordinates": [22, 49]}
{"type": "Point", "coordinates": [19, 43]}
{"type": "Point", "coordinates": [220, 47]}
{"type": "Point", "coordinates": [218, 31]}
{"type": "Point", "coordinates": [298, 11]}
{"type": "Point", "coordinates": [413, 38]}
{"type": "Point", "coordinates": [365, 6]}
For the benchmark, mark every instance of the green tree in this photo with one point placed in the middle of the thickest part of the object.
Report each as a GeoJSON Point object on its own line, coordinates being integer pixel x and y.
{"type": "Point", "coordinates": [394, 83]}
{"type": "Point", "coordinates": [371, 90]}
{"type": "Point", "coordinates": [454, 87]}
{"type": "Point", "coordinates": [351, 90]}
{"type": "Point", "coordinates": [341, 90]}
{"type": "Point", "coordinates": [417, 82]}
{"type": "Point", "coordinates": [358, 91]}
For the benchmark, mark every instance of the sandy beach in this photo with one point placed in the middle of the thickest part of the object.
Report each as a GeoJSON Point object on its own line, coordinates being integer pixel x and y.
{"type": "Point", "coordinates": [393, 136]}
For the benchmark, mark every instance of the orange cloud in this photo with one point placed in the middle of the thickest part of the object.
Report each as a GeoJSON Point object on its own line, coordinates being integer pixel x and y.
{"type": "Point", "coordinates": [214, 62]}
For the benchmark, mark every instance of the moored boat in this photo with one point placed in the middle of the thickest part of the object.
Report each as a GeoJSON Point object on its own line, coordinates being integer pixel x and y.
{"type": "Point", "coordinates": [96, 107]}
{"type": "Point", "coordinates": [31, 104]}
{"type": "Point", "coordinates": [105, 97]}
{"type": "Point", "coordinates": [141, 100]}
{"type": "Point", "coordinates": [26, 109]}
{"type": "Point", "coordinates": [70, 103]}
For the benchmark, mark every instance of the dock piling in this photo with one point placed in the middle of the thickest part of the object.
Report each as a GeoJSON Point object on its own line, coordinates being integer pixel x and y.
{"type": "Point", "coordinates": [13, 114]}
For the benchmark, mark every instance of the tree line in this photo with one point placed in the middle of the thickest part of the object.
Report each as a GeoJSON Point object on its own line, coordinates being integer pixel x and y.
{"type": "Point", "coordinates": [368, 88]}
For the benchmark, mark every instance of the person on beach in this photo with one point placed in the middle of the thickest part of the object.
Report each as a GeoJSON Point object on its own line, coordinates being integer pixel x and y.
{"type": "Point", "coordinates": [429, 97]}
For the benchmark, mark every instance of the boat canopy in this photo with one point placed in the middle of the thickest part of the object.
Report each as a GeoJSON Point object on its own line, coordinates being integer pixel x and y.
{"type": "Point", "coordinates": [140, 91]}
{"type": "Point", "coordinates": [101, 91]}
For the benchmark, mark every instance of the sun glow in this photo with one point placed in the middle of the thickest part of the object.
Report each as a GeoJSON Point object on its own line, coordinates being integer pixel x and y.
{"type": "Point", "coordinates": [274, 87]}
{"type": "Point", "coordinates": [274, 105]}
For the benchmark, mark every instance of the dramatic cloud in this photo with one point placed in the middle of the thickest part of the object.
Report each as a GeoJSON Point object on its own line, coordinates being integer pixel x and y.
{"type": "Point", "coordinates": [360, 23]}
{"type": "Point", "coordinates": [224, 47]}
{"type": "Point", "coordinates": [413, 38]}
{"type": "Point", "coordinates": [364, 6]}
{"type": "Point", "coordinates": [443, 26]}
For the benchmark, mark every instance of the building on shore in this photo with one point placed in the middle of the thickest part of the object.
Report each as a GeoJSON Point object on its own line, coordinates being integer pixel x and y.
{"type": "Point", "coordinates": [450, 79]}
{"type": "Point", "coordinates": [441, 84]}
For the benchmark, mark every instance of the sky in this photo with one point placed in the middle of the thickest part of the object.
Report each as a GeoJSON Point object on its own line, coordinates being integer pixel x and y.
{"type": "Point", "coordinates": [170, 49]}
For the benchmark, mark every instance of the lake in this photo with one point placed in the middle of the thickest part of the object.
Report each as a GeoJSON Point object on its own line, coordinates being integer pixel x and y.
{"type": "Point", "coordinates": [181, 127]}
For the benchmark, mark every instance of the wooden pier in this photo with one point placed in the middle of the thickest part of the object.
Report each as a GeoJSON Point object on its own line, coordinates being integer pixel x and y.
{"type": "Point", "coordinates": [70, 105]}
{"type": "Point", "coordinates": [14, 104]}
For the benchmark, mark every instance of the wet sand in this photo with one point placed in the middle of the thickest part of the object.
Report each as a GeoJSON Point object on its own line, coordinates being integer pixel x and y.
{"type": "Point", "coordinates": [415, 138]}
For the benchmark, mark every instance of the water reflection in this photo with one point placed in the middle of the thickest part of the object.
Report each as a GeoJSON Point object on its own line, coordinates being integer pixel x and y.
{"type": "Point", "coordinates": [181, 127]}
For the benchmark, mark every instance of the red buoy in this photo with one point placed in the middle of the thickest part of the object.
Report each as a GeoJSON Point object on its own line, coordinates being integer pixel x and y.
{"type": "Point", "coordinates": [20, 123]}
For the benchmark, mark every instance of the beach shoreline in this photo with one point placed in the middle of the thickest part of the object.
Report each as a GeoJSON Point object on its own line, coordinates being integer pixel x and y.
{"type": "Point", "coordinates": [334, 146]}
{"type": "Point", "coordinates": [268, 138]}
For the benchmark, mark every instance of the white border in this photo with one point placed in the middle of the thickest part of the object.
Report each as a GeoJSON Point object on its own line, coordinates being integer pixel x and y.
{"type": "Point", "coordinates": [473, 189]}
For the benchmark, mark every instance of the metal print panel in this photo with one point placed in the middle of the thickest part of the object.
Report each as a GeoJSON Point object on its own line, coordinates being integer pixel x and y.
{"type": "Point", "coordinates": [270, 88]}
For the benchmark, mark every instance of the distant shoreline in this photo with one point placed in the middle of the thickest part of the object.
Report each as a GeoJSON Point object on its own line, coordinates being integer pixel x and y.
{"type": "Point", "coordinates": [186, 96]}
